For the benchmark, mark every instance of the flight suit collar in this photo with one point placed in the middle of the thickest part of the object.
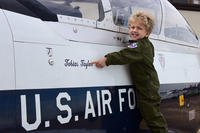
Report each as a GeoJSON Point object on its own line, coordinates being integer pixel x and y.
{"type": "Point", "coordinates": [134, 41]}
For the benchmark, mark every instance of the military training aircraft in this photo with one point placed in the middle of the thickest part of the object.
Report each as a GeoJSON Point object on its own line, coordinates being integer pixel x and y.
{"type": "Point", "coordinates": [48, 85]}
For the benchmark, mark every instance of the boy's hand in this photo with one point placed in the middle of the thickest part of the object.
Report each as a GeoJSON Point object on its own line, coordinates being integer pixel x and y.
{"type": "Point", "coordinates": [100, 63]}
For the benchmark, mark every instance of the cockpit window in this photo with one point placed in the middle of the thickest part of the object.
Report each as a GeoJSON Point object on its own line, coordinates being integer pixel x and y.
{"type": "Point", "coordinates": [122, 9]}
{"type": "Point", "coordinates": [176, 26]}
{"type": "Point", "coordinates": [90, 9]}
{"type": "Point", "coordinates": [16, 6]}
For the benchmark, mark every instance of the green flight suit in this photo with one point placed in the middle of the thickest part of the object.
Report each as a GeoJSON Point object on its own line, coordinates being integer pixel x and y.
{"type": "Point", "coordinates": [139, 55]}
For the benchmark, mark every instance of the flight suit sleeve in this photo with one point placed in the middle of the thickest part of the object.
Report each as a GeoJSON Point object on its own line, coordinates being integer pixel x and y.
{"type": "Point", "coordinates": [125, 56]}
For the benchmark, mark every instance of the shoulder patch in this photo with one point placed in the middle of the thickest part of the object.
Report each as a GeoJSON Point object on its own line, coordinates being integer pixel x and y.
{"type": "Point", "coordinates": [133, 45]}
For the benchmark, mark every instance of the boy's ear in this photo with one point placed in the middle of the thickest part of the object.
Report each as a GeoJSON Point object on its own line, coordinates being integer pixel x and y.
{"type": "Point", "coordinates": [147, 35]}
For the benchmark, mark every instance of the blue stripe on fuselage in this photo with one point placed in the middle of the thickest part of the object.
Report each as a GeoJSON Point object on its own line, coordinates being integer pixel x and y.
{"type": "Point", "coordinates": [73, 110]}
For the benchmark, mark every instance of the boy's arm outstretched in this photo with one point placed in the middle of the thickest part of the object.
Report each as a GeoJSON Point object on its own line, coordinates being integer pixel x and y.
{"type": "Point", "coordinates": [100, 63]}
{"type": "Point", "coordinates": [125, 56]}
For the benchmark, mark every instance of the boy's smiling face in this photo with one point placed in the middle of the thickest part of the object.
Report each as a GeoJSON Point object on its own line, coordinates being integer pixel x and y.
{"type": "Point", "coordinates": [137, 30]}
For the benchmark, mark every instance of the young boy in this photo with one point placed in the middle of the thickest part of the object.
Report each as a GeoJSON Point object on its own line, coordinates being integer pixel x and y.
{"type": "Point", "coordinates": [139, 55]}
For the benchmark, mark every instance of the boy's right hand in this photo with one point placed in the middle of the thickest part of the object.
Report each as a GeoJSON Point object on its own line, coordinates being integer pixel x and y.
{"type": "Point", "coordinates": [100, 63]}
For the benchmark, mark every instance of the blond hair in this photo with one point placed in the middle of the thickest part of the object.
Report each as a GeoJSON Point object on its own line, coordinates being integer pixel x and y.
{"type": "Point", "coordinates": [146, 18]}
